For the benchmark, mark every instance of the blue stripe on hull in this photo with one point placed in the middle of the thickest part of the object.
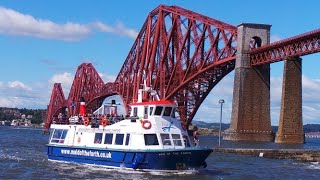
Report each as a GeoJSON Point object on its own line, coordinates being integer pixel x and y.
{"type": "Point", "coordinates": [149, 159]}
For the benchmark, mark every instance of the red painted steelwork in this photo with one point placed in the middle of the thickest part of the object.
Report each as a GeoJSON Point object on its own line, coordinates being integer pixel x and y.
{"type": "Point", "coordinates": [88, 84]}
{"type": "Point", "coordinates": [57, 104]}
{"type": "Point", "coordinates": [181, 54]}
{"type": "Point", "coordinates": [300, 45]}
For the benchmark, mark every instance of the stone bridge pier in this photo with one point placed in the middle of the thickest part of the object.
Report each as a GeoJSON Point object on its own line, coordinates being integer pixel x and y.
{"type": "Point", "coordinates": [250, 120]}
{"type": "Point", "coordinates": [290, 129]}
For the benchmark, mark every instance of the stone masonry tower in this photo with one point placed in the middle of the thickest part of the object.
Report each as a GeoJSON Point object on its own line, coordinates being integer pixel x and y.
{"type": "Point", "coordinates": [290, 129]}
{"type": "Point", "coordinates": [251, 95]}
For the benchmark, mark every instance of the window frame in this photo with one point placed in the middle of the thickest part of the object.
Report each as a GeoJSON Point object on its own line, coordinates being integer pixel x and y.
{"type": "Point", "coordinates": [156, 113]}
{"type": "Point", "coordinates": [98, 140]}
{"type": "Point", "coordinates": [168, 139]}
{"type": "Point", "coordinates": [176, 141]}
{"type": "Point", "coordinates": [105, 138]}
{"type": "Point", "coordinates": [61, 136]}
{"type": "Point", "coordinates": [127, 141]}
{"type": "Point", "coordinates": [147, 141]}
{"type": "Point", "coordinates": [116, 139]}
{"type": "Point", "coordinates": [165, 112]}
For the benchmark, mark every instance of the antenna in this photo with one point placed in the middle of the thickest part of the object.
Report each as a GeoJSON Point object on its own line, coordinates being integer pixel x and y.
{"type": "Point", "coordinates": [146, 88]}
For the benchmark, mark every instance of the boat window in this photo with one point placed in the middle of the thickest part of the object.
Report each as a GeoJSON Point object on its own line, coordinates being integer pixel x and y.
{"type": "Point", "coordinates": [51, 134]}
{"type": "Point", "coordinates": [98, 138]}
{"type": "Point", "coordinates": [59, 135]}
{"type": "Point", "coordinates": [151, 139]}
{"type": "Point", "coordinates": [173, 114]}
{"type": "Point", "coordinates": [167, 111]}
{"type": "Point", "coordinates": [176, 139]}
{"type": "Point", "coordinates": [135, 111]}
{"type": "Point", "coordinates": [150, 112]}
{"type": "Point", "coordinates": [119, 139]}
{"type": "Point", "coordinates": [127, 139]}
{"type": "Point", "coordinates": [165, 139]}
{"type": "Point", "coordinates": [158, 111]}
{"type": "Point", "coordinates": [145, 116]}
{"type": "Point", "coordinates": [186, 141]}
{"type": "Point", "coordinates": [108, 138]}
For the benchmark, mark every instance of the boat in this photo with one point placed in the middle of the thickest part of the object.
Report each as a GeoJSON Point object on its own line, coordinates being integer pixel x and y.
{"type": "Point", "coordinates": [152, 138]}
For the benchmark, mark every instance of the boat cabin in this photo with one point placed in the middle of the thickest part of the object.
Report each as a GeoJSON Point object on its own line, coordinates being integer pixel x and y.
{"type": "Point", "coordinates": [152, 125]}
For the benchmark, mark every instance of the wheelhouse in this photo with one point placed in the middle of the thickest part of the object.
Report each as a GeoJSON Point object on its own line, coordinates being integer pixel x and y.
{"type": "Point", "coordinates": [156, 108]}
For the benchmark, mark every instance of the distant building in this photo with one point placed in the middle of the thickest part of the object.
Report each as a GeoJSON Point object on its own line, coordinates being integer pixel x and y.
{"type": "Point", "coordinates": [17, 114]}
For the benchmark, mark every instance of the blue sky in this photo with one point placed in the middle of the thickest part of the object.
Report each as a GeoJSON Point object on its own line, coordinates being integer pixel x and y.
{"type": "Point", "coordinates": [43, 42]}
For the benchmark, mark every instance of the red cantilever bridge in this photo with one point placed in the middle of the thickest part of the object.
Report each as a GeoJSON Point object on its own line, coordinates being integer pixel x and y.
{"type": "Point", "coordinates": [184, 55]}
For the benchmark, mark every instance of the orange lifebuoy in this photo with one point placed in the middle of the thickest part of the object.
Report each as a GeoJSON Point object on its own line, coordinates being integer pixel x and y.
{"type": "Point", "coordinates": [146, 124]}
{"type": "Point", "coordinates": [86, 121]}
{"type": "Point", "coordinates": [104, 122]}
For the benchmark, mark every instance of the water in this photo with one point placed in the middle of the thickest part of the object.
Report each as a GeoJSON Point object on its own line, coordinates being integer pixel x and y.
{"type": "Point", "coordinates": [23, 156]}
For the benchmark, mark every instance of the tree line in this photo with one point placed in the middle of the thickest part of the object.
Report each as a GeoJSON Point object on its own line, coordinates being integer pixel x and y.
{"type": "Point", "coordinates": [15, 113]}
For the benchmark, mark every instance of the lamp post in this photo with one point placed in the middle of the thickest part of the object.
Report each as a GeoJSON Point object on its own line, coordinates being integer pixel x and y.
{"type": "Point", "coordinates": [221, 101]}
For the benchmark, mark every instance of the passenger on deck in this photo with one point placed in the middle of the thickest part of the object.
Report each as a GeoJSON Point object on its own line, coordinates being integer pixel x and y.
{"type": "Point", "coordinates": [195, 137]}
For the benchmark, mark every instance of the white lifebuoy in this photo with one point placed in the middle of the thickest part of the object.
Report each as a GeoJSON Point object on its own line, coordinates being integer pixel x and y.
{"type": "Point", "coordinates": [146, 124]}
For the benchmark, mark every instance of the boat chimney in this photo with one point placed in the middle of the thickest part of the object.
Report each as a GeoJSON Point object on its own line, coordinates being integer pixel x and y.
{"type": "Point", "coordinates": [113, 108]}
{"type": "Point", "coordinates": [82, 110]}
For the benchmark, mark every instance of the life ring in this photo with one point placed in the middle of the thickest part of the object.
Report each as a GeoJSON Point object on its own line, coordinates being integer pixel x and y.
{"type": "Point", "coordinates": [146, 124]}
{"type": "Point", "coordinates": [86, 121]}
{"type": "Point", "coordinates": [104, 122]}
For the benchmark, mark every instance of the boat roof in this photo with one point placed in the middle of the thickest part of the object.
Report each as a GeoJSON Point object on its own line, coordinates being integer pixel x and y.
{"type": "Point", "coordinates": [160, 102]}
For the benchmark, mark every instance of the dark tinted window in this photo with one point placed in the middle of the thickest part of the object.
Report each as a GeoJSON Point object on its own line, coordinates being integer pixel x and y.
{"type": "Point", "coordinates": [151, 139]}
{"type": "Point", "coordinates": [98, 138]}
{"type": "Point", "coordinates": [167, 111]}
{"type": "Point", "coordinates": [108, 138]}
{"type": "Point", "coordinates": [119, 139]}
{"type": "Point", "coordinates": [158, 110]}
{"type": "Point", "coordinates": [127, 139]}
{"type": "Point", "coordinates": [151, 109]}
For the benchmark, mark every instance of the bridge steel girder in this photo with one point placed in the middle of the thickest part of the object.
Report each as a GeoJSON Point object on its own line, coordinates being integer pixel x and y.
{"type": "Point", "coordinates": [182, 55]}
{"type": "Point", "coordinates": [88, 84]}
{"type": "Point", "coordinates": [56, 105]}
{"type": "Point", "coordinates": [297, 46]}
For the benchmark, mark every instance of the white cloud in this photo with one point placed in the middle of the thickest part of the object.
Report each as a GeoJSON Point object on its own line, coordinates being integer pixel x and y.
{"type": "Point", "coordinates": [118, 29]}
{"type": "Point", "coordinates": [65, 79]}
{"type": "Point", "coordinates": [19, 85]}
{"type": "Point", "coordinates": [19, 24]}
{"type": "Point", "coordinates": [15, 23]}
{"type": "Point", "coordinates": [107, 77]}
{"type": "Point", "coordinates": [18, 94]}
{"type": "Point", "coordinates": [274, 38]}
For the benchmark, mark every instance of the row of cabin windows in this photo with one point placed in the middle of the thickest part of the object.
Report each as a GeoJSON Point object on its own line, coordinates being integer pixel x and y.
{"type": "Point", "coordinates": [149, 139]}
{"type": "Point", "coordinates": [58, 135]}
{"type": "Point", "coordinates": [175, 139]}
{"type": "Point", "coordinates": [159, 110]}
{"type": "Point", "coordinates": [108, 138]}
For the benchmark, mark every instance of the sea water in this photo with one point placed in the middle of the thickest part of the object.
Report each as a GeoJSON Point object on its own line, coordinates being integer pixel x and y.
{"type": "Point", "coordinates": [23, 156]}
